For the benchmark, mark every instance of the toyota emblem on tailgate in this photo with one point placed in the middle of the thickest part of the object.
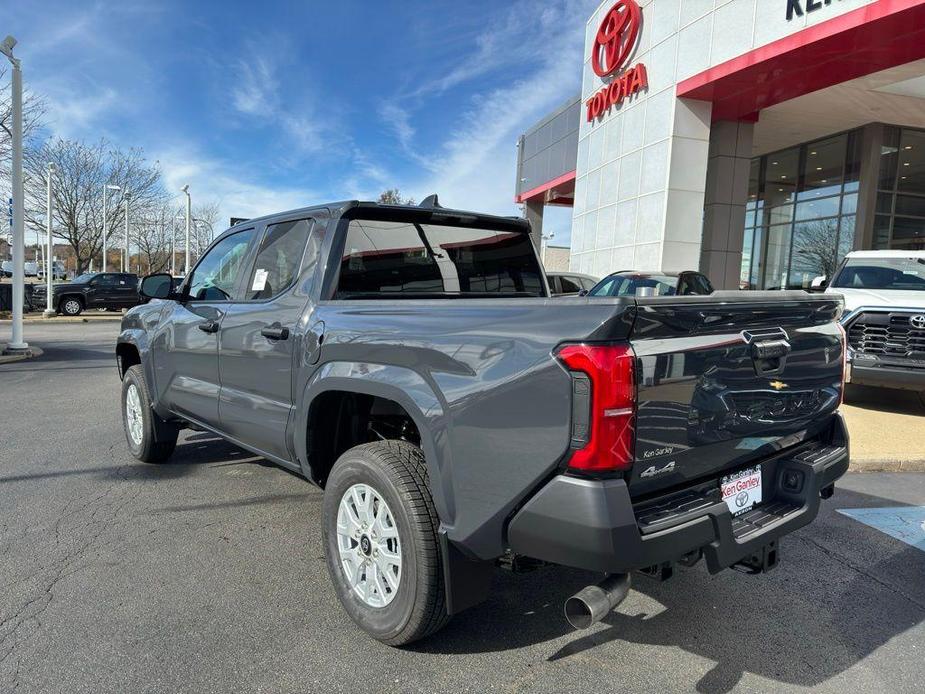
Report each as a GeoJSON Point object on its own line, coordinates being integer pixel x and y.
{"type": "Point", "coordinates": [918, 321]}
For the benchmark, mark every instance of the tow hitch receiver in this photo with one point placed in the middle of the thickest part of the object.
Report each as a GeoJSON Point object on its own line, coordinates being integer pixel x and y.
{"type": "Point", "coordinates": [761, 561]}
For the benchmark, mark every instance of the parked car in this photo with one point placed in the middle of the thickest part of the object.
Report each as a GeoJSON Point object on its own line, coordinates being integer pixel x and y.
{"type": "Point", "coordinates": [101, 290]}
{"type": "Point", "coordinates": [569, 283]}
{"type": "Point", "coordinates": [884, 293]}
{"type": "Point", "coordinates": [58, 271]}
{"type": "Point", "coordinates": [406, 360]}
{"type": "Point", "coordinates": [30, 269]}
{"type": "Point", "coordinates": [631, 282]}
{"type": "Point", "coordinates": [6, 268]}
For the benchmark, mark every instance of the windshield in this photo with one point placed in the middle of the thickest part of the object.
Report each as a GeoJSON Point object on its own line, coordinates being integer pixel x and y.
{"type": "Point", "coordinates": [86, 277]}
{"type": "Point", "coordinates": [628, 285]}
{"type": "Point", "coordinates": [405, 258]}
{"type": "Point", "coordinates": [902, 274]}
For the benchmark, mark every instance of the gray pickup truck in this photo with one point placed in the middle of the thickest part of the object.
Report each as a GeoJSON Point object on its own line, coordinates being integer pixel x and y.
{"type": "Point", "coordinates": [410, 362]}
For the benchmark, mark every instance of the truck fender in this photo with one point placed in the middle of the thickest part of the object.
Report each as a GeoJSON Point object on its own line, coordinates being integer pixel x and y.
{"type": "Point", "coordinates": [403, 386]}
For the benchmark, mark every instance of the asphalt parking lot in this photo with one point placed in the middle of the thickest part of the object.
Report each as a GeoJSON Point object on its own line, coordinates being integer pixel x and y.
{"type": "Point", "coordinates": [206, 575]}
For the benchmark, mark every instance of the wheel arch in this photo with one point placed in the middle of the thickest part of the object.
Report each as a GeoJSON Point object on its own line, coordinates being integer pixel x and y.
{"type": "Point", "coordinates": [414, 396]}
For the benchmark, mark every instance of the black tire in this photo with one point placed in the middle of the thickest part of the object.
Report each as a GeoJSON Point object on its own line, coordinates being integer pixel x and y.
{"type": "Point", "coordinates": [158, 438]}
{"type": "Point", "coordinates": [396, 470]}
{"type": "Point", "coordinates": [70, 306]}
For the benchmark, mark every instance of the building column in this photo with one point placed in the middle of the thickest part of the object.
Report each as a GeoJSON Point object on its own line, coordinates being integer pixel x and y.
{"type": "Point", "coordinates": [725, 199]}
{"type": "Point", "coordinates": [533, 213]}
{"type": "Point", "coordinates": [869, 178]}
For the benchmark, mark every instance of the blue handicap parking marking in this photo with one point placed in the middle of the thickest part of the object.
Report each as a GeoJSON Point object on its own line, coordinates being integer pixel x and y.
{"type": "Point", "coordinates": [906, 523]}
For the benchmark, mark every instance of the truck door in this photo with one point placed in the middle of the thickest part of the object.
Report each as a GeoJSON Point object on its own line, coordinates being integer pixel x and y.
{"type": "Point", "coordinates": [185, 347]}
{"type": "Point", "coordinates": [260, 338]}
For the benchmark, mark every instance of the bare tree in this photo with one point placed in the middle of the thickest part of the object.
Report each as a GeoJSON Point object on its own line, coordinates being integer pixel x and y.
{"type": "Point", "coordinates": [33, 115]}
{"type": "Point", "coordinates": [153, 236]}
{"type": "Point", "coordinates": [392, 196]}
{"type": "Point", "coordinates": [82, 172]}
{"type": "Point", "coordinates": [202, 230]}
{"type": "Point", "coordinates": [815, 248]}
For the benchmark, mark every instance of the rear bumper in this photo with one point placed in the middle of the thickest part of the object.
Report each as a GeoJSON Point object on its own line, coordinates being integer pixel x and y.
{"type": "Point", "coordinates": [887, 377]}
{"type": "Point", "coordinates": [593, 525]}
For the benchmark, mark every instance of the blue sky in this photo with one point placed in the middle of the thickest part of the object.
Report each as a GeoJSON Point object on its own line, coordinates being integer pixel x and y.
{"type": "Point", "coordinates": [267, 106]}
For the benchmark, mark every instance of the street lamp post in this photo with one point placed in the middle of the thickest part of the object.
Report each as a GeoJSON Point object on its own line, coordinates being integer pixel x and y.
{"type": "Point", "coordinates": [126, 258]}
{"type": "Point", "coordinates": [106, 189]}
{"type": "Point", "coordinates": [185, 189]}
{"type": "Point", "coordinates": [49, 265]}
{"type": "Point", "coordinates": [16, 343]}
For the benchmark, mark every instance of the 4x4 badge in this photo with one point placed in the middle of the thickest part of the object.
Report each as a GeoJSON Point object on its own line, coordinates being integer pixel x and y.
{"type": "Point", "coordinates": [653, 471]}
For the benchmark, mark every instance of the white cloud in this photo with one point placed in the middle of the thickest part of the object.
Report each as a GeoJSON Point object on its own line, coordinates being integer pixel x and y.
{"type": "Point", "coordinates": [399, 121]}
{"type": "Point", "coordinates": [256, 90]}
{"type": "Point", "coordinates": [209, 180]}
{"type": "Point", "coordinates": [475, 167]}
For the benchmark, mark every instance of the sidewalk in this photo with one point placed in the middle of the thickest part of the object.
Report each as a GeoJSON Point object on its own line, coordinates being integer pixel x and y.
{"type": "Point", "coordinates": [91, 316]}
{"type": "Point", "coordinates": [887, 429]}
{"type": "Point", "coordinates": [29, 353]}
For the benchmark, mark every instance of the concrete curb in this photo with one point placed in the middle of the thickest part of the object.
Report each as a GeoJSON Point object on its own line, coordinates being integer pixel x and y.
{"type": "Point", "coordinates": [885, 465]}
{"type": "Point", "coordinates": [61, 320]}
{"type": "Point", "coordinates": [30, 353]}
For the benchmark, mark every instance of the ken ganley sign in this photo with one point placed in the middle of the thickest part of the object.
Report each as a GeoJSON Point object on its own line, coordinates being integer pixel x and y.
{"type": "Point", "coordinates": [613, 46]}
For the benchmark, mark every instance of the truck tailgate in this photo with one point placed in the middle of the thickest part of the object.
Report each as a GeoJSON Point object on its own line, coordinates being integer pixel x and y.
{"type": "Point", "coordinates": [728, 379]}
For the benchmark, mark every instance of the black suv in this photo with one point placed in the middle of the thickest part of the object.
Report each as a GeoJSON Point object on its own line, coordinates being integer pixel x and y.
{"type": "Point", "coordinates": [102, 290]}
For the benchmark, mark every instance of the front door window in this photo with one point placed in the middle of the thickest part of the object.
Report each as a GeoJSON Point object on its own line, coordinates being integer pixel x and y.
{"type": "Point", "coordinates": [214, 278]}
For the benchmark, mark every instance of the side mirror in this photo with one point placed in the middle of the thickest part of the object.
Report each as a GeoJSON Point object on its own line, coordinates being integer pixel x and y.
{"type": "Point", "coordinates": [583, 292]}
{"type": "Point", "coordinates": [159, 286]}
{"type": "Point", "coordinates": [818, 284]}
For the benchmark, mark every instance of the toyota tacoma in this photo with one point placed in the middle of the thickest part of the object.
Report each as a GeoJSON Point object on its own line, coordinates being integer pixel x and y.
{"type": "Point", "coordinates": [410, 362]}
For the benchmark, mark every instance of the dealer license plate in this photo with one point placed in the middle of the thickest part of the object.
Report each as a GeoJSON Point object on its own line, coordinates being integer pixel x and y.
{"type": "Point", "coordinates": [742, 490]}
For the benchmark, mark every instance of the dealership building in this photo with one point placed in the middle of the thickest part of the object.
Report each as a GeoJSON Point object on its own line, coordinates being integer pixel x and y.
{"type": "Point", "coordinates": [755, 140]}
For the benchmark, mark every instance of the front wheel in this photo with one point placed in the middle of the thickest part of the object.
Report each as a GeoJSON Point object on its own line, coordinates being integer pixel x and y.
{"type": "Point", "coordinates": [380, 542]}
{"type": "Point", "coordinates": [71, 306]}
{"type": "Point", "coordinates": [150, 438]}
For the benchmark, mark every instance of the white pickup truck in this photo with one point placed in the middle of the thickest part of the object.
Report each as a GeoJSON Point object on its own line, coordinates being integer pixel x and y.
{"type": "Point", "coordinates": [884, 316]}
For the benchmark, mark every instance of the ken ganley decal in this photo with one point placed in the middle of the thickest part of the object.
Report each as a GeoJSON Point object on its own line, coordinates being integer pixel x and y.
{"type": "Point", "coordinates": [613, 46]}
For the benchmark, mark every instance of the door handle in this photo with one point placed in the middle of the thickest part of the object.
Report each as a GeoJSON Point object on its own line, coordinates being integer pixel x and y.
{"type": "Point", "coordinates": [210, 326]}
{"type": "Point", "coordinates": [275, 332]}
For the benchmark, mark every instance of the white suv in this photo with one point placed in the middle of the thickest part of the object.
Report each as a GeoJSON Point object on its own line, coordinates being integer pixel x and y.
{"type": "Point", "coordinates": [884, 316]}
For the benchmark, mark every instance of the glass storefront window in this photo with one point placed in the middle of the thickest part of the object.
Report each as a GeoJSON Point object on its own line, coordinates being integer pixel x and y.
{"type": "Point", "coordinates": [814, 209]}
{"type": "Point", "coordinates": [900, 222]}
{"type": "Point", "coordinates": [802, 202]}
{"type": "Point", "coordinates": [777, 252]}
{"type": "Point", "coordinates": [881, 232]}
{"type": "Point", "coordinates": [823, 168]}
{"type": "Point", "coordinates": [911, 169]}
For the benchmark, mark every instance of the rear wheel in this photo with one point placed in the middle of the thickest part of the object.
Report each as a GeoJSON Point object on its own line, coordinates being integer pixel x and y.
{"type": "Point", "coordinates": [150, 438]}
{"type": "Point", "coordinates": [71, 306]}
{"type": "Point", "coordinates": [380, 542]}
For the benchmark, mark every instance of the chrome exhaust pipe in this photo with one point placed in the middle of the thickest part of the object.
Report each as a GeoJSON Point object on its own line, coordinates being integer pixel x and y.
{"type": "Point", "coordinates": [592, 604]}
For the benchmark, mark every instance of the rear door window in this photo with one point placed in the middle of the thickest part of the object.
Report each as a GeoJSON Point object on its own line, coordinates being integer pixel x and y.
{"type": "Point", "coordinates": [278, 260]}
{"type": "Point", "coordinates": [420, 259]}
{"type": "Point", "coordinates": [570, 285]}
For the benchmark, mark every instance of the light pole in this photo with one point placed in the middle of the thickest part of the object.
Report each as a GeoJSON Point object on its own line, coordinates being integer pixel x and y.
{"type": "Point", "coordinates": [173, 243]}
{"type": "Point", "coordinates": [106, 189]}
{"type": "Point", "coordinates": [185, 189]}
{"type": "Point", "coordinates": [49, 266]}
{"type": "Point", "coordinates": [126, 258]}
{"type": "Point", "coordinates": [19, 258]}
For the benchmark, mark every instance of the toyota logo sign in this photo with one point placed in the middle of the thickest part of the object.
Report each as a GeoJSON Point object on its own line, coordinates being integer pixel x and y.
{"type": "Point", "coordinates": [616, 37]}
{"type": "Point", "coordinates": [918, 321]}
{"type": "Point", "coordinates": [610, 52]}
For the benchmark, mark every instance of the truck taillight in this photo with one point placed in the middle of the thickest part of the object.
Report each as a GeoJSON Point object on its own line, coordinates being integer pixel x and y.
{"type": "Point", "coordinates": [603, 406]}
{"type": "Point", "coordinates": [844, 361]}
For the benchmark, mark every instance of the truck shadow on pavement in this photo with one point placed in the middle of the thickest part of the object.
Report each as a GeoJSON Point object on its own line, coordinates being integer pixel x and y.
{"type": "Point", "coordinates": [816, 615]}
